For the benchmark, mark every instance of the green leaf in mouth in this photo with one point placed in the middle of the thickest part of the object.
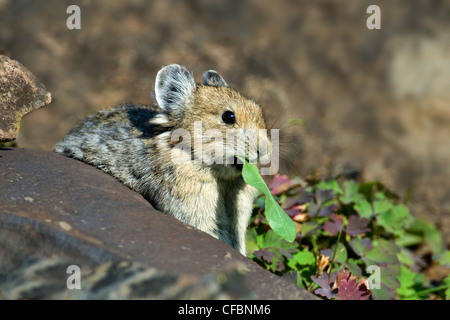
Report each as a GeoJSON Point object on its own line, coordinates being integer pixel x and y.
{"type": "Point", "coordinates": [278, 220]}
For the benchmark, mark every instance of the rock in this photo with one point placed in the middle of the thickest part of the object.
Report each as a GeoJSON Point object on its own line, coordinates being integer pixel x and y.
{"type": "Point", "coordinates": [44, 278]}
{"type": "Point", "coordinates": [20, 93]}
{"type": "Point", "coordinates": [56, 211]}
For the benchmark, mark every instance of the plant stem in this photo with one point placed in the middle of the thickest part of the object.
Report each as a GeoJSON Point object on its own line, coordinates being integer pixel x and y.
{"type": "Point", "coordinates": [310, 286]}
{"type": "Point", "coordinates": [428, 291]}
{"type": "Point", "coordinates": [335, 250]}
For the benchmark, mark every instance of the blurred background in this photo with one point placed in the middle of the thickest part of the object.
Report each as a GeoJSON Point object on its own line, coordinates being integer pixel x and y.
{"type": "Point", "coordinates": [372, 101]}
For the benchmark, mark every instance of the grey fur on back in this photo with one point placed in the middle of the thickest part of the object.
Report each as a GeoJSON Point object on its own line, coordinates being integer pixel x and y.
{"type": "Point", "coordinates": [133, 143]}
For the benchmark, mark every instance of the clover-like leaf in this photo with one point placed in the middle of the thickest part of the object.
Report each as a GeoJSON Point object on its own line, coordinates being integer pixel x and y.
{"type": "Point", "coordinates": [265, 255]}
{"type": "Point", "coordinates": [334, 226]}
{"type": "Point", "coordinates": [326, 285]}
{"type": "Point", "coordinates": [273, 259]}
{"type": "Point", "coordinates": [290, 202]}
{"type": "Point", "coordinates": [381, 206]}
{"type": "Point", "coordinates": [309, 228]}
{"type": "Point", "coordinates": [330, 185]}
{"type": "Point", "coordinates": [357, 226]}
{"type": "Point", "coordinates": [304, 257]}
{"type": "Point", "coordinates": [295, 210]}
{"type": "Point", "coordinates": [339, 254]}
{"type": "Point", "coordinates": [384, 254]}
{"type": "Point", "coordinates": [364, 208]}
{"type": "Point", "coordinates": [396, 219]}
{"type": "Point", "coordinates": [361, 246]}
{"type": "Point", "coordinates": [322, 205]}
{"type": "Point", "coordinates": [279, 266]}
{"type": "Point", "coordinates": [271, 240]}
{"type": "Point", "coordinates": [251, 244]}
{"type": "Point", "coordinates": [354, 266]}
{"type": "Point", "coordinates": [349, 288]}
{"type": "Point", "coordinates": [407, 282]}
{"type": "Point", "coordinates": [350, 192]}
{"type": "Point", "coordinates": [430, 233]}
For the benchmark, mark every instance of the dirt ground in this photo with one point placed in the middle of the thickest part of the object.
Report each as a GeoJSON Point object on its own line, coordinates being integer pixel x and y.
{"type": "Point", "coordinates": [375, 101]}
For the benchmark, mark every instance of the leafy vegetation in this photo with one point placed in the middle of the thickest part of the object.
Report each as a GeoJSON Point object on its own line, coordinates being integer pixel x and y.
{"type": "Point", "coordinates": [343, 240]}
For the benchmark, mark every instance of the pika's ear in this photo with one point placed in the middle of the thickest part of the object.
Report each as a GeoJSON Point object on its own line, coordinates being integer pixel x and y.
{"type": "Point", "coordinates": [212, 78]}
{"type": "Point", "coordinates": [174, 85]}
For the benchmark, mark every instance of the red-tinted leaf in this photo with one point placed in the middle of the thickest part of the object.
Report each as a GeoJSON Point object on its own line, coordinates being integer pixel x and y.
{"type": "Point", "coordinates": [357, 226]}
{"type": "Point", "coordinates": [279, 184]}
{"type": "Point", "coordinates": [292, 212]}
{"type": "Point", "coordinates": [334, 227]}
{"type": "Point", "coordinates": [325, 211]}
{"type": "Point", "coordinates": [291, 202]}
{"type": "Point", "coordinates": [349, 288]}
{"type": "Point", "coordinates": [361, 246]}
{"type": "Point", "coordinates": [318, 209]}
{"type": "Point", "coordinates": [323, 196]}
{"type": "Point", "coordinates": [295, 210]}
{"type": "Point", "coordinates": [343, 274]}
{"type": "Point", "coordinates": [305, 196]}
{"type": "Point", "coordinates": [327, 252]}
{"type": "Point", "coordinates": [325, 285]}
{"type": "Point", "coordinates": [341, 252]}
{"type": "Point", "coordinates": [280, 266]}
{"type": "Point", "coordinates": [385, 255]}
{"type": "Point", "coordinates": [265, 255]}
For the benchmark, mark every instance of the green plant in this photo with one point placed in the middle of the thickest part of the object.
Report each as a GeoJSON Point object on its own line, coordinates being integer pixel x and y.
{"type": "Point", "coordinates": [352, 240]}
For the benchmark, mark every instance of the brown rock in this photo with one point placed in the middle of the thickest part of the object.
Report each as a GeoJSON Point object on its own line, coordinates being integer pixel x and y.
{"type": "Point", "coordinates": [20, 93]}
{"type": "Point", "coordinates": [53, 207]}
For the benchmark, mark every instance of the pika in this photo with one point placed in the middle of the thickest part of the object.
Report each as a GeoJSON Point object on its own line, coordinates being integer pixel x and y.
{"type": "Point", "coordinates": [137, 145]}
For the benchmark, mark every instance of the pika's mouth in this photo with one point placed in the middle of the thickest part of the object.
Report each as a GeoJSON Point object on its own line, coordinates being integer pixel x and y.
{"type": "Point", "coordinates": [238, 164]}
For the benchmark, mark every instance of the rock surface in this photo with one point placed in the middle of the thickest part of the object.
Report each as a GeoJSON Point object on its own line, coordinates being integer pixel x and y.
{"type": "Point", "coordinates": [374, 101]}
{"type": "Point", "coordinates": [56, 212]}
{"type": "Point", "coordinates": [20, 93]}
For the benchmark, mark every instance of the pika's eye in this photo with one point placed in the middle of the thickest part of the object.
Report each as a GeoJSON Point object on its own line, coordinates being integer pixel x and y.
{"type": "Point", "coordinates": [228, 117]}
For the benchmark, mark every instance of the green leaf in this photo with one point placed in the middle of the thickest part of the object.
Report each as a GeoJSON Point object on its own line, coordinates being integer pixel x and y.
{"type": "Point", "coordinates": [361, 246]}
{"type": "Point", "coordinates": [338, 255]}
{"type": "Point", "coordinates": [406, 258]}
{"type": "Point", "coordinates": [384, 254]}
{"type": "Point", "coordinates": [431, 234]}
{"type": "Point", "coordinates": [381, 206]}
{"type": "Point", "coordinates": [444, 258]}
{"type": "Point", "coordinates": [380, 195]}
{"type": "Point", "coordinates": [272, 240]}
{"type": "Point", "coordinates": [341, 252]}
{"type": "Point", "coordinates": [260, 240]}
{"type": "Point", "coordinates": [330, 185]}
{"type": "Point", "coordinates": [447, 291]}
{"type": "Point", "coordinates": [252, 177]}
{"type": "Point", "coordinates": [409, 239]}
{"type": "Point", "coordinates": [353, 266]}
{"type": "Point", "coordinates": [396, 220]}
{"type": "Point", "coordinates": [364, 208]}
{"type": "Point", "coordinates": [350, 193]}
{"type": "Point", "coordinates": [304, 275]}
{"type": "Point", "coordinates": [278, 220]}
{"type": "Point", "coordinates": [304, 257]}
{"type": "Point", "coordinates": [251, 242]}
{"type": "Point", "coordinates": [307, 227]}
{"type": "Point", "coordinates": [407, 281]}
